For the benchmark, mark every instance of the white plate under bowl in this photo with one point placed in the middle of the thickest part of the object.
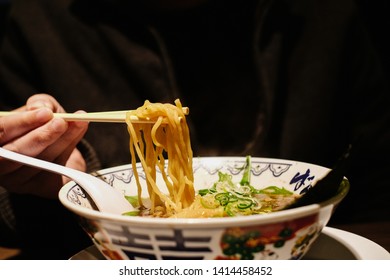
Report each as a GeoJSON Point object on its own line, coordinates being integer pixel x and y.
{"type": "Point", "coordinates": [345, 246]}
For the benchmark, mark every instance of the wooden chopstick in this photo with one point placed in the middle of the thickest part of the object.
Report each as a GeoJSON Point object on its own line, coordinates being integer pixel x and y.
{"type": "Point", "coordinates": [109, 116]}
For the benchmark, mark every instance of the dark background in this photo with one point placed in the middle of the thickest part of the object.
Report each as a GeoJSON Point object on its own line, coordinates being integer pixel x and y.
{"type": "Point", "coordinates": [375, 14]}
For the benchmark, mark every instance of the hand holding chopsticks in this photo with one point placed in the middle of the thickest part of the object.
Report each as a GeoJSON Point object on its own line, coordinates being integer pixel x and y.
{"type": "Point", "coordinates": [110, 116]}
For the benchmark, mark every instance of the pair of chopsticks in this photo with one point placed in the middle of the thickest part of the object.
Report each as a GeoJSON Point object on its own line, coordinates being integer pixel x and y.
{"type": "Point", "coordinates": [110, 116]}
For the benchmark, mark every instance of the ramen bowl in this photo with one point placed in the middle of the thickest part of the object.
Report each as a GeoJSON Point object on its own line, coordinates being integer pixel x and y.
{"type": "Point", "coordinates": [285, 234]}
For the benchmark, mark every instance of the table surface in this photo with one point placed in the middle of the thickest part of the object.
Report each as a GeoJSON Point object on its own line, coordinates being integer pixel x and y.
{"type": "Point", "coordinates": [378, 232]}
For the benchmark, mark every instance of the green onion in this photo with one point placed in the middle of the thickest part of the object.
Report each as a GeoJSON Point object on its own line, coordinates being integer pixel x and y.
{"type": "Point", "coordinates": [222, 198]}
{"type": "Point", "coordinates": [275, 190]}
{"type": "Point", "coordinates": [244, 203]}
{"type": "Point", "coordinates": [246, 177]}
{"type": "Point", "coordinates": [203, 192]}
{"type": "Point", "coordinates": [239, 198]}
{"type": "Point", "coordinates": [133, 200]}
{"type": "Point", "coordinates": [131, 213]}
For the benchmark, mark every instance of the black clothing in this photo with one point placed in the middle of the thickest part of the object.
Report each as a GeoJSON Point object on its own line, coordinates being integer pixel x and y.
{"type": "Point", "coordinates": [287, 79]}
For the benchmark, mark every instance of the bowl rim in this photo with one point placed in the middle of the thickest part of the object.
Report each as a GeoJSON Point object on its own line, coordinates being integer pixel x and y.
{"type": "Point", "coordinates": [274, 217]}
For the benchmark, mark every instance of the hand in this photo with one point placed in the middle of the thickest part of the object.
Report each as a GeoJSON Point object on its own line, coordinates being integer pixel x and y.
{"type": "Point", "coordinates": [35, 132]}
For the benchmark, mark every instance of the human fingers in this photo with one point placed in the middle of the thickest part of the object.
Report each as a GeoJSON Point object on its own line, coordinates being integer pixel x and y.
{"type": "Point", "coordinates": [35, 141]}
{"type": "Point", "coordinates": [43, 100]}
{"type": "Point", "coordinates": [75, 161]}
{"type": "Point", "coordinates": [24, 179]}
{"type": "Point", "coordinates": [14, 126]}
{"type": "Point", "coordinates": [60, 151]}
{"type": "Point", "coordinates": [53, 141]}
{"type": "Point", "coordinates": [18, 178]}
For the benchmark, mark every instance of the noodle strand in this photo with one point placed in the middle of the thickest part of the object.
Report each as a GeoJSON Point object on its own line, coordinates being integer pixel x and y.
{"type": "Point", "coordinates": [149, 143]}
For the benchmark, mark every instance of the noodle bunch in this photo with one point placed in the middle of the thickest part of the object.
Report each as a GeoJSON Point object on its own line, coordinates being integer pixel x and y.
{"type": "Point", "coordinates": [151, 143]}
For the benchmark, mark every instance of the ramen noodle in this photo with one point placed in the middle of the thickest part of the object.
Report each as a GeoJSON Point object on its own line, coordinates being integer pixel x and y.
{"type": "Point", "coordinates": [166, 137]}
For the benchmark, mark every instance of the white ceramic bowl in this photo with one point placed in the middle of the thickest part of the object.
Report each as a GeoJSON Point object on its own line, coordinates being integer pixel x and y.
{"type": "Point", "coordinates": [286, 234]}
